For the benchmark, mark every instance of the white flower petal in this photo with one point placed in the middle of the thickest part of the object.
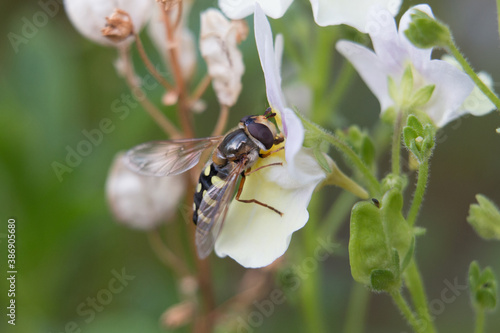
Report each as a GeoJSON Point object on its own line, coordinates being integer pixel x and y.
{"type": "Point", "coordinates": [142, 202]}
{"type": "Point", "coordinates": [371, 69]}
{"type": "Point", "coordinates": [264, 40]}
{"type": "Point", "coordinates": [238, 9]}
{"type": "Point", "coordinates": [89, 16]}
{"type": "Point", "coordinates": [219, 48]}
{"type": "Point", "coordinates": [452, 88]}
{"type": "Point", "coordinates": [476, 103]}
{"type": "Point", "coordinates": [350, 12]}
{"type": "Point", "coordinates": [255, 236]}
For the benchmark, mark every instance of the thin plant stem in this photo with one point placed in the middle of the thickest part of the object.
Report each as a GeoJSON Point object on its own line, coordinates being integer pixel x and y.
{"type": "Point", "coordinates": [166, 255]}
{"type": "Point", "coordinates": [498, 15]}
{"type": "Point", "coordinates": [173, 53]}
{"type": "Point", "coordinates": [413, 281]}
{"type": "Point", "coordinates": [405, 310]}
{"type": "Point", "coordinates": [396, 145]}
{"type": "Point", "coordinates": [468, 69]}
{"type": "Point", "coordinates": [372, 181]}
{"type": "Point", "coordinates": [201, 88]}
{"type": "Point", "coordinates": [222, 121]}
{"type": "Point", "coordinates": [310, 288]}
{"type": "Point", "coordinates": [150, 108]}
{"type": "Point", "coordinates": [480, 316]}
{"type": "Point", "coordinates": [341, 85]}
{"type": "Point", "coordinates": [337, 214]}
{"type": "Point", "coordinates": [149, 65]}
{"type": "Point", "coordinates": [356, 309]}
{"type": "Point", "coordinates": [418, 196]}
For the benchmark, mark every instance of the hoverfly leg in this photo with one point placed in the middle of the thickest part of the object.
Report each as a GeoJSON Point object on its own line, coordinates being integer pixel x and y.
{"type": "Point", "coordinates": [250, 171]}
{"type": "Point", "coordinates": [240, 189]}
{"type": "Point", "coordinates": [271, 152]}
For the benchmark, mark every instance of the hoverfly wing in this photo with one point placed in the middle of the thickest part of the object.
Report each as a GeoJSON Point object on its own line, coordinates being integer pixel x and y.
{"type": "Point", "coordinates": [213, 210]}
{"type": "Point", "coordinates": [163, 158]}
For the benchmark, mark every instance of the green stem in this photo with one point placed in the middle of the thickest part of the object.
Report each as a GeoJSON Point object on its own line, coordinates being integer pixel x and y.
{"type": "Point", "coordinates": [337, 214]}
{"type": "Point", "coordinates": [418, 196]}
{"type": "Point", "coordinates": [310, 289]}
{"type": "Point", "coordinates": [356, 310]}
{"type": "Point", "coordinates": [413, 281]}
{"type": "Point", "coordinates": [341, 85]}
{"type": "Point", "coordinates": [468, 69]}
{"type": "Point", "coordinates": [498, 13]}
{"type": "Point", "coordinates": [396, 145]}
{"type": "Point", "coordinates": [372, 181]}
{"type": "Point", "coordinates": [405, 310]}
{"type": "Point", "coordinates": [479, 319]}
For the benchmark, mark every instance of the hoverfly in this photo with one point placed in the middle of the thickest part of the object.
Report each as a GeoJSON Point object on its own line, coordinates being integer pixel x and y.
{"type": "Point", "coordinates": [234, 155]}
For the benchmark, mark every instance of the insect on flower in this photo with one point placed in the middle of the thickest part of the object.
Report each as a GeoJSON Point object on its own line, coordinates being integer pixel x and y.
{"type": "Point", "coordinates": [234, 156]}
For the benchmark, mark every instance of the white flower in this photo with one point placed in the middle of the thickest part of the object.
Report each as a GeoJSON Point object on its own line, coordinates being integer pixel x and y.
{"type": "Point", "coordinates": [393, 54]}
{"type": "Point", "coordinates": [187, 48]}
{"type": "Point", "coordinates": [219, 48]}
{"type": "Point", "coordinates": [89, 16]}
{"type": "Point", "coordinates": [326, 12]}
{"type": "Point", "coordinates": [139, 201]}
{"type": "Point", "coordinates": [253, 235]}
{"type": "Point", "coordinates": [477, 103]}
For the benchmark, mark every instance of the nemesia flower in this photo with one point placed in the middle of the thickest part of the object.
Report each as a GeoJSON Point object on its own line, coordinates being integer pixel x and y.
{"type": "Point", "coordinates": [219, 48]}
{"type": "Point", "coordinates": [253, 235]}
{"type": "Point", "coordinates": [392, 56]}
{"type": "Point", "coordinates": [139, 201]}
{"type": "Point", "coordinates": [89, 16]}
{"type": "Point", "coordinates": [326, 12]}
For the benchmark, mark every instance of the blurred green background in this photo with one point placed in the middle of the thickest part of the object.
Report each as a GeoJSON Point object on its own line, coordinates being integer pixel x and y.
{"type": "Point", "coordinates": [58, 84]}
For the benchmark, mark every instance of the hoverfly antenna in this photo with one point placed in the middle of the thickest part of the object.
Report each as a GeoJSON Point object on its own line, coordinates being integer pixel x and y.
{"type": "Point", "coordinates": [269, 113]}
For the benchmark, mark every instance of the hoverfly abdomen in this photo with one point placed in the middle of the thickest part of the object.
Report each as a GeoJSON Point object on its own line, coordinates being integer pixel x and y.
{"type": "Point", "coordinates": [210, 177]}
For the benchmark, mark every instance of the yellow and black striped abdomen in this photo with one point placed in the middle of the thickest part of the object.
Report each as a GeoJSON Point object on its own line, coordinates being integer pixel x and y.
{"type": "Point", "coordinates": [209, 178]}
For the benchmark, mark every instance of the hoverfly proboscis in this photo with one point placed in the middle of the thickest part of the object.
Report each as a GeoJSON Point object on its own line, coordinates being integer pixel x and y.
{"type": "Point", "coordinates": [234, 155]}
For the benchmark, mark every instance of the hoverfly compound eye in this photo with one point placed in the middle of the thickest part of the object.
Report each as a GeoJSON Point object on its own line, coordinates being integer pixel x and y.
{"type": "Point", "coordinates": [246, 120]}
{"type": "Point", "coordinates": [262, 133]}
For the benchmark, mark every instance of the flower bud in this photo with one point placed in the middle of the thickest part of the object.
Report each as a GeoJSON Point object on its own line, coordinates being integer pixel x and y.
{"type": "Point", "coordinates": [483, 287]}
{"type": "Point", "coordinates": [425, 32]}
{"type": "Point", "coordinates": [419, 139]}
{"type": "Point", "coordinates": [485, 218]}
{"type": "Point", "coordinates": [89, 16]}
{"type": "Point", "coordinates": [219, 48]}
{"type": "Point", "coordinates": [139, 201]}
{"type": "Point", "coordinates": [379, 237]}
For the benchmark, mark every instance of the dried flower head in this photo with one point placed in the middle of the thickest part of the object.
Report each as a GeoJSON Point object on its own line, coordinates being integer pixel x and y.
{"type": "Point", "coordinates": [118, 26]}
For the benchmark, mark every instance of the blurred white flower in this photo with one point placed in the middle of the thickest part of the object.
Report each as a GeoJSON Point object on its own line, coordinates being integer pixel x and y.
{"type": "Point", "coordinates": [253, 235]}
{"type": "Point", "coordinates": [89, 16]}
{"type": "Point", "coordinates": [326, 12]}
{"type": "Point", "coordinates": [139, 201]}
{"type": "Point", "coordinates": [187, 48]}
{"type": "Point", "coordinates": [219, 48]}
{"type": "Point", "coordinates": [477, 103]}
{"type": "Point", "coordinates": [392, 56]}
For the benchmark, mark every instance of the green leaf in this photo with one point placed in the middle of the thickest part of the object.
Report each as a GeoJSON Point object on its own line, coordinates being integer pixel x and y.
{"type": "Point", "coordinates": [408, 256]}
{"type": "Point", "coordinates": [406, 85]}
{"type": "Point", "coordinates": [485, 218]}
{"type": "Point", "coordinates": [422, 96]}
{"type": "Point", "coordinates": [379, 237]}
{"type": "Point", "coordinates": [321, 159]}
{"type": "Point", "coordinates": [415, 124]}
{"type": "Point", "coordinates": [368, 150]}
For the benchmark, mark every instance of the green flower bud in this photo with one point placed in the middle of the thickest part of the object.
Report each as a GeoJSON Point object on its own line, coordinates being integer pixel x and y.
{"type": "Point", "coordinates": [393, 181]}
{"type": "Point", "coordinates": [485, 218]}
{"type": "Point", "coordinates": [361, 143]}
{"type": "Point", "coordinates": [379, 237]}
{"type": "Point", "coordinates": [426, 32]}
{"type": "Point", "coordinates": [419, 139]}
{"type": "Point", "coordinates": [483, 287]}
